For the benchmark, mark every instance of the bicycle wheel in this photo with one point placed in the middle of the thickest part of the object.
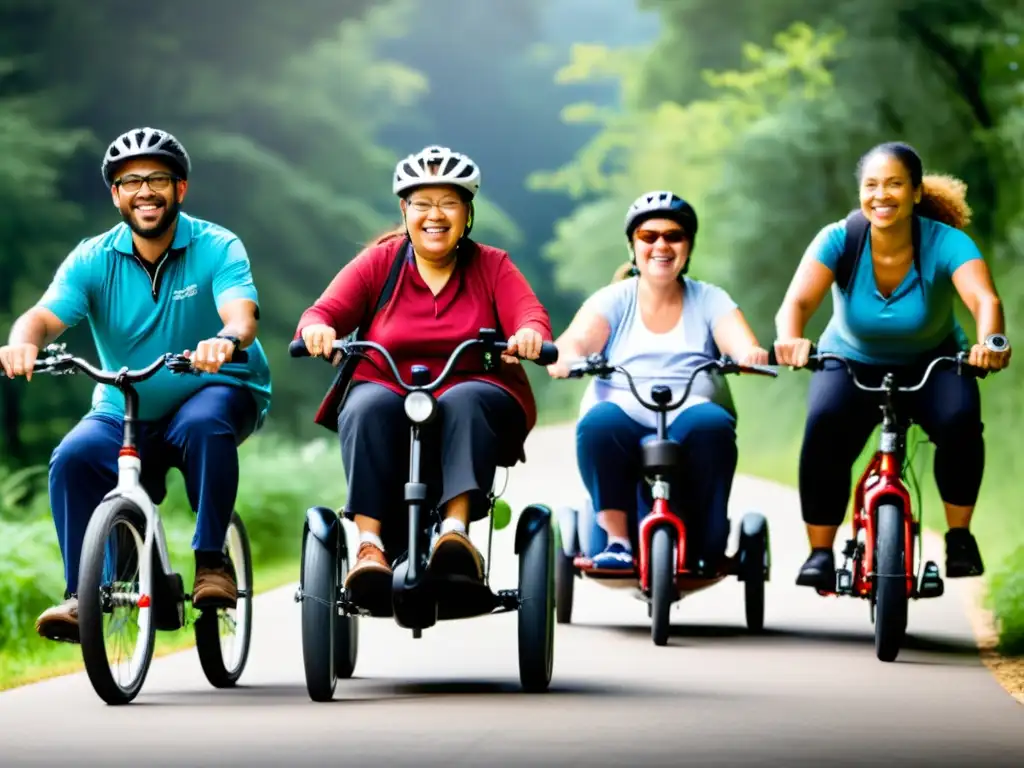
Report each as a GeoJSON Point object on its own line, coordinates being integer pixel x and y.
{"type": "Point", "coordinates": [223, 635]}
{"type": "Point", "coordinates": [890, 583]}
{"type": "Point", "coordinates": [110, 591]}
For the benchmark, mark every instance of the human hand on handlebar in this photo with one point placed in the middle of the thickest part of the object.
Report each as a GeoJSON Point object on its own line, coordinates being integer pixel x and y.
{"type": "Point", "coordinates": [319, 339]}
{"type": "Point", "coordinates": [794, 352]}
{"type": "Point", "coordinates": [526, 343]}
{"type": "Point", "coordinates": [18, 359]}
{"type": "Point", "coordinates": [984, 358]}
{"type": "Point", "coordinates": [559, 370]}
{"type": "Point", "coordinates": [756, 356]}
{"type": "Point", "coordinates": [211, 354]}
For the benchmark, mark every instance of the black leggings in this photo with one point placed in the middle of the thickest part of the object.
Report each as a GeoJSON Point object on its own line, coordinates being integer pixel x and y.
{"type": "Point", "coordinates": [841, 418]}
{"type": "Point", "coordinates": [478, 428]}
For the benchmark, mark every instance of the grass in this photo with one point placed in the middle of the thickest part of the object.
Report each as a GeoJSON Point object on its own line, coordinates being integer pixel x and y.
{"type": "Point", "coordinates": [46, 659]}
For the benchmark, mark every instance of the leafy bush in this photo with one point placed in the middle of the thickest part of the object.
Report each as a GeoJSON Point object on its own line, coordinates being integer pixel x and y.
{"type": "Point", "coordinates": [1006, 598]}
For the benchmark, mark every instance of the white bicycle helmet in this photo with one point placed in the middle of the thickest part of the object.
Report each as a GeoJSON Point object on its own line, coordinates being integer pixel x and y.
{"type": "Point", "coordinates": [145, 142]}
{"type": "Point", "coordinates": [449, 168]}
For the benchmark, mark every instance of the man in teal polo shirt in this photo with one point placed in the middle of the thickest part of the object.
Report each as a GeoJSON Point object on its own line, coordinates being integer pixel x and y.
{"type": "Point", "coordinates": [159, 282]}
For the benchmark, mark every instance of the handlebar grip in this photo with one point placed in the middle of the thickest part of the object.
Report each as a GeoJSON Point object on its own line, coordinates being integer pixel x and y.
{"type": "Point", "coordinates": [240, 356]}
{"type": "Point", "coordinates": [760, 370]}
{"type": "Point", "coordinates": [297, 348]}
{"type": "Point", "coordinates": [975, 371]}
{"type": "Point", "coordinates": [548, 354]}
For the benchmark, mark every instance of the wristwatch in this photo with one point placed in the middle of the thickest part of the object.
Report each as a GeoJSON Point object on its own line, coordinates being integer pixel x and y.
{"type": "Point", "coordinates": [997, 342]}
{"type": "Point", "coordinates": [233, 339]}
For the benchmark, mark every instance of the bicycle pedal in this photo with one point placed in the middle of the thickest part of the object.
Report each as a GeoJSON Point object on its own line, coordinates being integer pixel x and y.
{"type": "Point", "coordinates": [844, 581]}
{"type": "Point", "coordinates": [931, 582]}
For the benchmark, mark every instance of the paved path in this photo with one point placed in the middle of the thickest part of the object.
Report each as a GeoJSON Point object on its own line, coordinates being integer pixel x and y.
{"type": "Point", "coordinates": [810, 692]}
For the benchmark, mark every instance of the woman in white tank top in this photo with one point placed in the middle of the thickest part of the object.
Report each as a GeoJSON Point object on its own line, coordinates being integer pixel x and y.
{"type": "Point", "coordinates": [659, 325]}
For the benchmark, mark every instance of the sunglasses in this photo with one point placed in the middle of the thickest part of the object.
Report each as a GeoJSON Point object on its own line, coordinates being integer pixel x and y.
{"type": "Point", "coordinates": [651, 237]}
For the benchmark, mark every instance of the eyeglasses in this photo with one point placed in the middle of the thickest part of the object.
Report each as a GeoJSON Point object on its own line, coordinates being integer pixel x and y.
{"type": "Point", "coordinates": [157, 182]}
{"type": "Point", "coordinates": [650, 237]}
{"type": "Point", "coordinates": [424, 206]}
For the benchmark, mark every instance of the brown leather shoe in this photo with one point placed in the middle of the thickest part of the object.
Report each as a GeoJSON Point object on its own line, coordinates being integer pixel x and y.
{"type": "Point", "coordinates": [368, 583]}
{"type": "Point", "coordinates": [60, 623]}
{"type": "Point", "coordinates": [455, 555]}
{"type": "Point", "coordinates": [214, 588]}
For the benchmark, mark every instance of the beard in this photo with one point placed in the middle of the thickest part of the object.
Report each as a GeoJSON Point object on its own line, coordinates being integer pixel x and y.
{"type": "Point", "coordinates": [168, 218]}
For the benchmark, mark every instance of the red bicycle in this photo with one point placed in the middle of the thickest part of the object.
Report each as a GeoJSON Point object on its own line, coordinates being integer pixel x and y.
{"type": "Point", "coordinates": [879, 562]}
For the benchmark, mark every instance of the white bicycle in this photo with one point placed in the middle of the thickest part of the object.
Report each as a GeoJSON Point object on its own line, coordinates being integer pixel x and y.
{"type": "Point", "coordinates": [127, 587]}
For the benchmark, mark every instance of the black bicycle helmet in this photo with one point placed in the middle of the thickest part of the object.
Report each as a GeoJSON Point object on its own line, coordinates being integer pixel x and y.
{"type": "Point", "coordinates": [145, 142]}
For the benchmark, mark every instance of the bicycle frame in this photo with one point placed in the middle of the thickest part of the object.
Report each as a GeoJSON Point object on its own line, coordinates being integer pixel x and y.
{"type": "Point", "coordinates": [129, 464]}
{"type": "Point", "coordinates": [662, 453]}
{"type": "Point", "coordinates": [422, 389]}
{"type": "Point", "coordinates": [882, 480]}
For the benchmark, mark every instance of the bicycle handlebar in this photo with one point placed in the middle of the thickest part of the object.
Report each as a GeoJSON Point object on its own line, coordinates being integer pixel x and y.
{"type": "Point", "coordinates": [548, 355]}
{"type": "Point", "coordinates": [816, 362]}
{"type": "Point", "coordinates": [596, 365]}
{"type": "Point", "coordinates": [58, 362]}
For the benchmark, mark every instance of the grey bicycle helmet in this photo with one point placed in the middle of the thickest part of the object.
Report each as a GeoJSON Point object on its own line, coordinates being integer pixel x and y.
{"type": "Point", "coordinates": [145, 142]}
{"type": "Point", "coordinates": [451, 168]}
{"type": "Point", "coordinates": [662, 204]}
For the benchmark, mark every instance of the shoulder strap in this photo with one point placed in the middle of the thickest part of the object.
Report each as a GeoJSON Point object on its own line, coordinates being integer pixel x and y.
{"type": "Point", "coordinates": [857, 229]}
{"type": "Point", "coordinates": [388, 289]}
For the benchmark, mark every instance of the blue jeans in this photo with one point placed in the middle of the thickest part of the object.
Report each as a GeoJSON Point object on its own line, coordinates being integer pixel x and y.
{"type": "Point", "coordinates": [200, 439]}
{"type": "Point", "coordinates": [608, 451]}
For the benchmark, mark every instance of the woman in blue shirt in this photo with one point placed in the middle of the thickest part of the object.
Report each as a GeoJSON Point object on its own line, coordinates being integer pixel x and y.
{"type": "Point", "coordinates": [896, 314]}
{"type": "Point", "coordinates": [659, 325]}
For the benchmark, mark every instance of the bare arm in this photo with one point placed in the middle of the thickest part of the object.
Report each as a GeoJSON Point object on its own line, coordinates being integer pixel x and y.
{"type": "Point", "coordinates": [734, 336]}
{"type": "Point", "coordinates": [33, 330]}
{"type": "Point", "coordinates": [239, 317]}
{"type": "Point", "coordinates": [586, 335]}
{"type": "Point", "coordinates": [803, 297]}
{"type": "Point", "coordinates": [38, 327]}
{"type": "Point", "coordinates": [973, 282]}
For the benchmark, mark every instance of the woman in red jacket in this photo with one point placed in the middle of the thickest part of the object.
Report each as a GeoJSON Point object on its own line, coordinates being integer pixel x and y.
{"type": "Point", "coordinates": [448, 288]}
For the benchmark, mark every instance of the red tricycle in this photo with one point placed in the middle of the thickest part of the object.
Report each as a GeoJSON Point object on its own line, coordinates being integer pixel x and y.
{"type": "Point", "coordinates": [661, 576]}
{"type": "Point", "coordinates": [879, 562]}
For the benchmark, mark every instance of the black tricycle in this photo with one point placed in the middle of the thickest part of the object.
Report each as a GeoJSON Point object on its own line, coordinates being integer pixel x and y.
{"type": "Point", "coordinates": [419, 599]}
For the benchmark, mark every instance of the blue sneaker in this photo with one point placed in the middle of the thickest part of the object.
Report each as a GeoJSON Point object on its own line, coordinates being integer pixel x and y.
{"type": "Point", "coordinates": [614, 558]}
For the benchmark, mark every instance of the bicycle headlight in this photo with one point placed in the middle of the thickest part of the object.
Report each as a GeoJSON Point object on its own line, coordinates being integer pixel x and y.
{"type": "Point", "coordinates": [420, 407]}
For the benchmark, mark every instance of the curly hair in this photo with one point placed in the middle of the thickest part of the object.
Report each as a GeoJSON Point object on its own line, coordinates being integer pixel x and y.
{"type": "Point", "coordinates": [943, 197]}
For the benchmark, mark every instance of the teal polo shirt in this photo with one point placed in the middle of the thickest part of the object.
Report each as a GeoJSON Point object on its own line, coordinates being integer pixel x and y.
{"type": "Point", "coordinates": [919, 315]}
{"type": "Point", "coordinates": [135, 317]}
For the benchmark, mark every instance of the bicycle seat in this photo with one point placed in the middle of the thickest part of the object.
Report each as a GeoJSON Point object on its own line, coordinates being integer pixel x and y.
{"type": "Point", "coordinates": [660, 456]}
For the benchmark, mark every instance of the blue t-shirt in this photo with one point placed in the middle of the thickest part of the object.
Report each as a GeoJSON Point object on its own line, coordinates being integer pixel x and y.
{"type": "Point", "coordinates": [867, 327]}
{"type": "Point", "coordinates": [659, 358]}
{"type": "Point", "coordinates": [135, 318]}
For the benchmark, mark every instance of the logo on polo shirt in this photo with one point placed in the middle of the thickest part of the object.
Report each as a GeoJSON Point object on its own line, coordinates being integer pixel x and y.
{"type": "Point", "coordinates": [185, 293]}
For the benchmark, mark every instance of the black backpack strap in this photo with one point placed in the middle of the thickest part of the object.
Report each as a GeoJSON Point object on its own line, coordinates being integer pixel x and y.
{"type": "Point", "coordinates": [388, 289]}
{"type": "Point", "coordinates": [857, 230]}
